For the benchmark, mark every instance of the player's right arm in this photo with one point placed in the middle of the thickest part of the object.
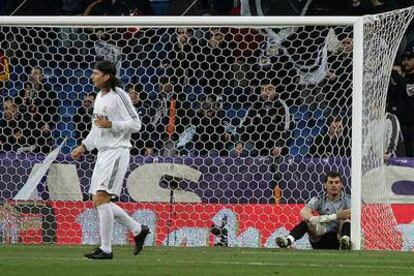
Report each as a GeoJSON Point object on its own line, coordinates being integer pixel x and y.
{"type": "Point", "coordinates": [306, 213]}
{"type": "Point", "coordinates": [315, 205]}
{"type": "Point", "coordinates": [344, 214]}
{"type": "Point", "coordinates": [88, 144]}
{"type": "Point", "coordinates": [78, 151]}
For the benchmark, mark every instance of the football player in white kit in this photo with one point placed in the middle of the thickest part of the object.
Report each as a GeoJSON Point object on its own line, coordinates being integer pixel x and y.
{"type": "Point", "coordinates": [114, 119]}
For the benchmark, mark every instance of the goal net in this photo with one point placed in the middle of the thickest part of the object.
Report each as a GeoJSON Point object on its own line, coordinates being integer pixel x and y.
{"type": "Point", "coordinates": [241, 120]}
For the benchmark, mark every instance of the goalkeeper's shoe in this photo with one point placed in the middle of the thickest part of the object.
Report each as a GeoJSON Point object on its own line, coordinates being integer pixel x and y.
{"type": "Point", "coordinates": [345, 243]}
{"type": "Point", "coordinates": [283, 242]}
{"type": "Point", "coordinates": [98, 254]}
{"type": "Point", "coordinates": [140, 239]}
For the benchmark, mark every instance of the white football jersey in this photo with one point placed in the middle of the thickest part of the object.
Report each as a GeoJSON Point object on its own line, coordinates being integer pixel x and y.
{"type": "Point", "coordinates": [117, 107]}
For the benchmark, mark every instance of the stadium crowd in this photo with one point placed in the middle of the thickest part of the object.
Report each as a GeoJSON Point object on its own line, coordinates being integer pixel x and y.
{"type": "Point", "coordinates": [216, 91]}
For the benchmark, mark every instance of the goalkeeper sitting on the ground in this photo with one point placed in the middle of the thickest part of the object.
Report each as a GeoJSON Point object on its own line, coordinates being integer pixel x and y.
{"type": "Point", "coordinates": [331, 228]}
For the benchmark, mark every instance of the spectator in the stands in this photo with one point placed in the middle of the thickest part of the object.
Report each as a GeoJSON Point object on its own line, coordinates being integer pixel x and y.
{"type": "Point", "coordinates": [83, 117]}
{"type": "Point", "coordinates": [215, 60]}
{"type": "Point", "coordinates": [267, 128]}
{"type": "Point", "coordinates": [220, 7]}
{"type": "Point", "coordinates": [274, 7]}
{"type": "Point", "coordinates": [206, 7]}
{"type": "Point", "coordinates": [210, 136]}
{"type": "Point", "coordinates": [38, 98]}
{"type": "Point", "coordinates": [38, 7]}
{"type": "Point", "coordinates": [110, 7]}
{"type": "Point", "coordinates": [10, 111]}
{"type": "Point", "coordinates": [378, 6]}
{"type": "Point", "coordinates": [72, 7]}
{"type": "Point", "coordinates": [12, 137]}
{"type": "Point", "coordinates": [187, 7]}
{"type": "Point", "coordinates": [142, 141]}
{"type": "Point", "coordinates": [353, 7]}
{"type": "Point", "coordinates": [32, 129]}
{"type": "Point", "coordinates": [38, 104]}
{"type": "Point", "coordinates": [172, 115]}
{"type": "Point", "coordinates": [337, 91]}
{"type": "Point", "coordinates": [180, 60]}
{"type": "Point", "coordinates": [335, 142]}
{"type": "Point", "coordinates": [238, 151]}
{"type": "Point", "coordinates": [43, 139]}
{"type": "Point", "coordinates": [394, 142]}
{"type": "Point", "coordinates": [400, 99]}
{"type": "Point", "coordinates": [109, 42]}
{"type": "Point", "coordinates": [320, 7]}
{"type": "Point", "coordinates": [118, 7]}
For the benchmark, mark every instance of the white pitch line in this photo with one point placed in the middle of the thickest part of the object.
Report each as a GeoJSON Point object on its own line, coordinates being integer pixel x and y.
{"type": "Point", "coordinates": [316, 253]}
{"type": "Point", "coordinates": [276, 264]}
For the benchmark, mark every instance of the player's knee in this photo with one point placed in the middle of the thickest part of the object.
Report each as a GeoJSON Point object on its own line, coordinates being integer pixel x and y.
{"type": "Point", "coordinates": [101, 197]}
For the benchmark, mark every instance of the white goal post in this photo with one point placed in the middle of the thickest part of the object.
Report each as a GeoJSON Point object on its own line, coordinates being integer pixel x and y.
{"type": "Point", "coordinates": [362, 32]}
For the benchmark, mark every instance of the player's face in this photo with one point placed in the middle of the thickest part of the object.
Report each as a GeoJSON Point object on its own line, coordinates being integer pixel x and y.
{"type": "Point", "coordinates": [99, 78]}
{"type": "Point", "coordinates": [333, 186]}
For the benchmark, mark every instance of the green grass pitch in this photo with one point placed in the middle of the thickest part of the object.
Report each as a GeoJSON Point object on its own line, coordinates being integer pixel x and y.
{"type": "Point", "coordinates": [68, 260]}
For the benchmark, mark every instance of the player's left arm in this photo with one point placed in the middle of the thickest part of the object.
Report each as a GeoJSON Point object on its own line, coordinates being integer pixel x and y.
{"type": "Point", "coordinates": [344, 214]}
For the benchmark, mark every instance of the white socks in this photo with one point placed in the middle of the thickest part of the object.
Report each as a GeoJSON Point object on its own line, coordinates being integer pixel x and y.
{"type": "Point", "coordinates": [292, 239]}
{"type": "Point", "coordinates": [122, 217]}
{"type": "Point", "coordinates": [106, 226]}
{"type": "Point", "coordinates": [107, 213]}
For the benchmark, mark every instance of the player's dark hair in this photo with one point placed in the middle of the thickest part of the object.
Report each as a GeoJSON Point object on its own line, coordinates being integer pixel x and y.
{"type": "Point", "coordinates": [108, 68]}
{"type": "Point", "coordinates": [332, 174]}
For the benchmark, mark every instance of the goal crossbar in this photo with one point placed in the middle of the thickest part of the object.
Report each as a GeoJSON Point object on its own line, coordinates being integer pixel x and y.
{"type": "Point", "coordinates": [168, 21]}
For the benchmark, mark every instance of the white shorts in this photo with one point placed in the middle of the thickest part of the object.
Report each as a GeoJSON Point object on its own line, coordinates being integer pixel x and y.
{"type": "Point", "coordinates": [109, 172]}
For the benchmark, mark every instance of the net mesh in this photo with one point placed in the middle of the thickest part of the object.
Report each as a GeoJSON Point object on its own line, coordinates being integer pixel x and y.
{"type": "Point", "coordinates": [380, 46]}
{"type": "Point", "coordinates": [239, 126]}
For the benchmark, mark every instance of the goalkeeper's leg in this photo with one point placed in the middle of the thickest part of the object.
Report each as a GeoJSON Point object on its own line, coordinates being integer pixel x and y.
{"type": "Point", "coordinates": [344, 235]}
{"type": "Point", "coordinates": [296, 233]}
{"type": "Point", "coordinates": [332, 240]}
{"type": "Point", "coordinates": [327, 241]}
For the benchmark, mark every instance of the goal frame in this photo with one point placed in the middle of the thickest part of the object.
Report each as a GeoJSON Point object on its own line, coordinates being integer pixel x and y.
{"type": "Point", "coordinates": [254, 22]}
